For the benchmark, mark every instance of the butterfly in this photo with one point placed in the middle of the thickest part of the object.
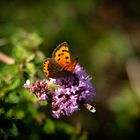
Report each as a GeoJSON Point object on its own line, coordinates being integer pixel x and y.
{"type": "Point", "coordinates": [60, 65]}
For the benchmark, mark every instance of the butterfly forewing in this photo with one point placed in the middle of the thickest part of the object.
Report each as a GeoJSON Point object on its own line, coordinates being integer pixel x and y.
{"type": "Point", "coordinates": [62, 55]}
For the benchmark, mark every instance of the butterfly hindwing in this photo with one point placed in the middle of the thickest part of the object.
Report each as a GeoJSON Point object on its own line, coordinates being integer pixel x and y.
{"type": "Point", "coordinates": [62, 55]}
{"type": "Point", "coordinates": [53, 70]}
{"type": "Point", "coordinates": [45, 67]}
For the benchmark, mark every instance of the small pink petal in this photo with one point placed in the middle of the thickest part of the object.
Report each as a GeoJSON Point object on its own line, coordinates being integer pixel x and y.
{"type": "Point", "coordinates": [27, 84]}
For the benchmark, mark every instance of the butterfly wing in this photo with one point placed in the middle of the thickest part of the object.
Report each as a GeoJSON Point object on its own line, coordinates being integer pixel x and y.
{"type": "Point", "coordinates": [71, 66]}
{"type": "Point", "coordinates": [62, 55]}
{"type": "Point", "coordinates": [54, 70]}
{"type": "Point", "coordinates": [50, 67]}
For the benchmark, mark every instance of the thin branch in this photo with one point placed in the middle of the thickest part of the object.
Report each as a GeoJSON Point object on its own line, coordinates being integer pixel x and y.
{"type": "Point", "coordinates": [6, 59]}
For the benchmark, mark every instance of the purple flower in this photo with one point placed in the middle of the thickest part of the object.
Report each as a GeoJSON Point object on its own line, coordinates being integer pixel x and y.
{"type": "Point", "coordinates": [69, 94]}
{"type": "Point", "coordinates": [27, 84]}
{"type": "Point", "coordinates": [40, 89]}
{"type": "Point", "coordinates": [72, 92]}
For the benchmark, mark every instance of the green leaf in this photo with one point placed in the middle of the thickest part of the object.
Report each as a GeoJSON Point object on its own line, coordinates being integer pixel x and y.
{"type": "Point", "coordinates": [43, 102]}
{"type": "Point", "coordinates": [65, 127]}
{"type": "Point", "coordinates": [30, 68]}
{"type": "Point", "coordinates": [12, 97]}
{"type": "Point", "coordinates": [12, 132]}
{"type": "Point", "coordinates": [49, 126]}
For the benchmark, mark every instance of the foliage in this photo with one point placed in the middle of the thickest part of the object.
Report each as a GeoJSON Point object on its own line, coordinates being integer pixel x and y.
{"type": "Point", "coordinates": [21, 111]}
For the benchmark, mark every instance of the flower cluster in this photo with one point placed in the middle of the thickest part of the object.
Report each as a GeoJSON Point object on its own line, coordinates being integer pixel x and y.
{"type": "Point", "coordinates": [69, 94]}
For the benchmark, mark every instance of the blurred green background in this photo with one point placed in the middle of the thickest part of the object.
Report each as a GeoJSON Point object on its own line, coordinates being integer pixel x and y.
{"type": "Point", "coordinates": [104, 34]}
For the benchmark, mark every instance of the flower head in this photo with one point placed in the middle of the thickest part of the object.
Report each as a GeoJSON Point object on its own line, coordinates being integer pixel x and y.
{"type": "Point", "coordinates": [71, 92]}
{"type": "Point", "coordinates": [40, 89]}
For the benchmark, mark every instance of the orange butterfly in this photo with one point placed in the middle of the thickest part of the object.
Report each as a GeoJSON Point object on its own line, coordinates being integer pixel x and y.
{"type": "Point", "coordinates": [60, 65]}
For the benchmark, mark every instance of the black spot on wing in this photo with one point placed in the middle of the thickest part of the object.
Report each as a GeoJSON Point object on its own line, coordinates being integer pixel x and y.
{"type": "Point", "coordinates": [58, 59]}
{"type": "Point", "coordinates": [60, 54]}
